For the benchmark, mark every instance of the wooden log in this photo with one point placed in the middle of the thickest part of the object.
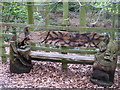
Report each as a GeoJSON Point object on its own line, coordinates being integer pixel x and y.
{"type": "Point", "coordinates": [105, 65]}
{"type": "Point", "coordinates": [57, 57]}
{"type": "Point", "coordinates": [66, 28]}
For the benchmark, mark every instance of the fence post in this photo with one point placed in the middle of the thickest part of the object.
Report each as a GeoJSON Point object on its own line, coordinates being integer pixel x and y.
{"type": "Point", "coordinates": [118, 26]}
{"type": "Point", "coordinates": [47, 22]}
{"type": "Point", "coordinates": [113, 16]}
{"type": "Point", "coordinates": [113, 21]}
{"type": "Point", "coordinates": [65, 13]}
{"type": "Point", "coordinates": [30, 16]}
{"type": "Point", "coordinates": [83, 15]}
{"type": "Point", "coordinates": [65, 23]}
{"type": "Point", "coordinates": [30, 13]}
{"type": "Point", "coordinates": [2, 48]}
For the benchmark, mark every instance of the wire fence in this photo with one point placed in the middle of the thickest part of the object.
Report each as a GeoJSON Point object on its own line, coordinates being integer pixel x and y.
{"type": "Point", "coordinates": [24, 4]}
{"type": "Point", "coordinates": [54, 5]}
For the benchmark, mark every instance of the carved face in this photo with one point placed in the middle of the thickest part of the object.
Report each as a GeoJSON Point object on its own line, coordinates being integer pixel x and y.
{"type": "Point", "coordinates": [102, 46]}
{"type": "Point", "coordinates": [109, 56]}
{"type": "Point", "coordinates": [111, 52]}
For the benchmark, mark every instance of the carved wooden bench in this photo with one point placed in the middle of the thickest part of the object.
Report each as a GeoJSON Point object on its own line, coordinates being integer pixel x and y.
{"type": "Point", "coordinates": [104, 62]}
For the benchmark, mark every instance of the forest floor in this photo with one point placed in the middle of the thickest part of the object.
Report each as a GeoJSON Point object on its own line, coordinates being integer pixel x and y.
{"type": "Point", "coordinates": [50, 75]}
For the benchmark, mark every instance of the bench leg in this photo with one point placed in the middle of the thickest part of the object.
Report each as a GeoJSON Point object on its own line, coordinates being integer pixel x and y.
{"type": "Point", "coordinates": [20, 61]}
{"type": "Point", "coordinates": [64, 65]}
{"type": "Point", "coordinates": [105, 65]}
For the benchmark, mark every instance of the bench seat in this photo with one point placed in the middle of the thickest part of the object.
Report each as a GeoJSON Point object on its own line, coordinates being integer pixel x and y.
{"type": "Point", "coordinates": [57, 57]}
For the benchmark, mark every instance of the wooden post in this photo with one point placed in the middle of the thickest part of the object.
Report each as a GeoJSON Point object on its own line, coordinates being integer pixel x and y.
{"type": "Point", "coordinates": [47, 22]}
{"type": "Point", "coordinates": [118, 6]}
{"type": "Point", "coordinates": [2, 48]}
{"type": "Point", "coordinates": [30, 16]}
{"type": "Point", "coordinates": [113, 21]}
{"type": "Point", "coordinates": [64, 62]}
{"type": "Point", "coordinates": [65, 23]}
{"type": "Point", "coordinates": [65, 13]}
{"type": "Point", "coordinates": [30, 13]}
{"type": "Point", "coordinates": [113, 15]}
{"type": "Point", "coordinates": [83, 15]}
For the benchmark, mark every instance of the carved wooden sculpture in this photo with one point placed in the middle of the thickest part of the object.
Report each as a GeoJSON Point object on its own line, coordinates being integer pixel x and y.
{"type": "Point", "coordinates": [103, 68]}
{"type": "Point", "coordinates": [105, 64]}
{"type": "Point", "coordinates": [20, 60]}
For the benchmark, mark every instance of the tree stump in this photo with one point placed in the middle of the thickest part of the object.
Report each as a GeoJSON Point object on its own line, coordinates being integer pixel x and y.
{"type": "Point", "coordinates": [20, 61]}
{"type": "Point", "coordinates": [105, 65]}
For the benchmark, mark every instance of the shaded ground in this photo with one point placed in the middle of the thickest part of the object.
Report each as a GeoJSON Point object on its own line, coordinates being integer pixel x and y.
{"type": "Point", "coordinates": [73, 20]}
{"type": "Point", "coordinates": [50, 75]}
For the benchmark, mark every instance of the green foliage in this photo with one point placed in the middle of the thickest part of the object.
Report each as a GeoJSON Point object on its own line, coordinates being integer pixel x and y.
{"type": "Point", "coordinates": [73, 6]}
{"type": "Point", "coordinates": [111, 8]}
{"type": "Point", "coordinates": [56, 8]}
{"type": "Point", "coordinates": [13, 13]}
{"type": "Point", "coordinates": [37, 17]}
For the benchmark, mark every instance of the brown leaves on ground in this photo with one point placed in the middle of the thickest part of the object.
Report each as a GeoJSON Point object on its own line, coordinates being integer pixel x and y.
{"type": "Point", "coordinates": [50, 75]}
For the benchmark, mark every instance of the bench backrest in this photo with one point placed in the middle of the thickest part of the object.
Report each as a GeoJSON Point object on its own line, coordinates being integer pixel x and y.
{"type": "Point", "coordinates": [63, 38]}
